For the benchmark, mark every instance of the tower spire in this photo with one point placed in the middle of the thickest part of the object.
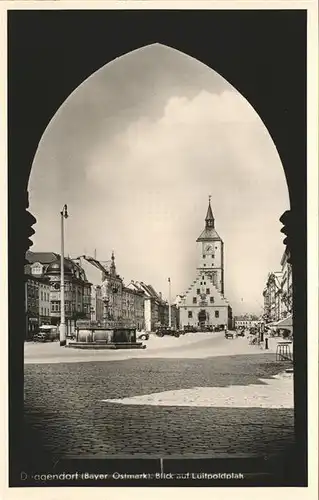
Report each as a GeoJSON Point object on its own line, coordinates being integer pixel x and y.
{"type": "Point", "coordinates": [112, 267]}
{"type": "Point", "coordinates": [209, 219]}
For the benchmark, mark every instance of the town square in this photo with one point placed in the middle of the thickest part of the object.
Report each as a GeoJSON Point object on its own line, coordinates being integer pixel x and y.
{"type": "Point", "coordinates": [160, 338]}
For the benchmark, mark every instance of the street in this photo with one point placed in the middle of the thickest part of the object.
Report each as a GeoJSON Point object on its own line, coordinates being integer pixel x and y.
{"type": "Point", "coordinates": [199, 395]}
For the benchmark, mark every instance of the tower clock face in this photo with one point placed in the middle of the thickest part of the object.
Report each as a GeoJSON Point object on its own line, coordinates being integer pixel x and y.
{"type": "Point", "coordinates": [208, 248]}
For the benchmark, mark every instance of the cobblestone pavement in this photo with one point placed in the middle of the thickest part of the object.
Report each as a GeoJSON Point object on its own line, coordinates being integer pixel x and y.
{"type": "Point", "coordinates": [65, 411]}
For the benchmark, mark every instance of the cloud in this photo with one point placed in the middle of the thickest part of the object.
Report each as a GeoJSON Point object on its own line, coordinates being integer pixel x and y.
{"type": "Point", "coordinates": [160, 174]}
{"type": "Point", "coordinates": [143, 190]}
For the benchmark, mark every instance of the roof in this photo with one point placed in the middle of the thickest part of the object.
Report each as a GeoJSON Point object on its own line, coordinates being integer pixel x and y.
{"type": "Point", "coordinates": [153, 292]}
{"type": "Point", "coordinates": [42, 257]}
{"type": "Point", "coordinates": [209, 215]}
{"type": "Point", "coordinates": [208, 234]}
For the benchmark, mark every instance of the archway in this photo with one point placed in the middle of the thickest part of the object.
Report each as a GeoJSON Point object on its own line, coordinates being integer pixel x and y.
{"type": "Point", "coordinates": [119, 150]}
{"type": "Point", "coordinates": [202, 318]}
{"type": "Point", "coordinates": [23, 142]}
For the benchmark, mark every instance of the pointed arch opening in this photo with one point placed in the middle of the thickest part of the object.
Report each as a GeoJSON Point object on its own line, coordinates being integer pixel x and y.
{"type": "Point", "coordinates": [137, 147]}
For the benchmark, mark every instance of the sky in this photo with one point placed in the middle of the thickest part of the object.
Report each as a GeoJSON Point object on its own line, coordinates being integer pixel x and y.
{"type": "Point", "coordinates": [136, 150]}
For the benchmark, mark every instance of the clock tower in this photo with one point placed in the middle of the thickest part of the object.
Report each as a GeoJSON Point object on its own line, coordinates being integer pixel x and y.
{"type": "Point", "coordinates": [210, 251]}
{"type": "Point", "coordinates": [204, 304]}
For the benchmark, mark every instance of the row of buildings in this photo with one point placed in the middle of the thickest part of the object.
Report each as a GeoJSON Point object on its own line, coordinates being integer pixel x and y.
{"type": "Point", "coordinates": [246, 321]}
{"type": "Point", "coordinates": [278, 292]}
{"type": "Point", "coordinates": [95, 292]}
{"type": "Point", "coordinates": [104, 298]}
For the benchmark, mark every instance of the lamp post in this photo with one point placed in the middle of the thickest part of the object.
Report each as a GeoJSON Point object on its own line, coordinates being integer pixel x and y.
{"type": "Point", "coordinates": [64, 215]}
{"type": "Point", "coordinates": [169, 303]}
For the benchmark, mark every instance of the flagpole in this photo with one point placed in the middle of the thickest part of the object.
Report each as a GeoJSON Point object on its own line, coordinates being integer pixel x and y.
{"type": "Point", "coordinates": [169, 303]}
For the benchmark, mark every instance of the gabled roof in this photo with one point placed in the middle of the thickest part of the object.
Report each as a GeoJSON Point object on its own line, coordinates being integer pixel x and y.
{"type": "Point", "coordinates": [153, 292]}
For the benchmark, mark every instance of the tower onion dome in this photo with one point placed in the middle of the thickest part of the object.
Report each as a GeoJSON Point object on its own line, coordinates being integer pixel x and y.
{"type": "Point", "coordinates": [55, 267]}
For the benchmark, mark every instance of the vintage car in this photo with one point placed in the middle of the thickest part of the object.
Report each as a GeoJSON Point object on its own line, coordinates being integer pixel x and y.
{"type": "Point", "coordinates": [47, 333]}
{"type": "Point", "coordinates": [142, 335]}
{"type": "Point", "coordinates": [189, 329]}
{"type": "Point", "coordinates": [229, 335]}
{"type": "Point", "coordinates": [166, 330]}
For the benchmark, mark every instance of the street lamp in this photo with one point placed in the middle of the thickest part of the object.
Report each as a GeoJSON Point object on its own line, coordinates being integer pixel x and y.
{"type": "Point", "coordinates": [64, 215]}
{"type": "Point", "coordinates": [169, 303]}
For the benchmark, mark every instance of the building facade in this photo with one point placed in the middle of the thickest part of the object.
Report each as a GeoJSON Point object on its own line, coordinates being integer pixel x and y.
{"type": "Point", "coordinates": [286, 285]}
{"type": "Point", "coordinates": [204, 303]}
{"type": "Point", "coordinates": [46, 267]}
{"type": "Point", "coordinates": [245, 321]}
{"type": "Point", "coordinates": [44, 301]}
{"type": "Point", "coordinates": [77, 293]}
{"type": "Point", "coordinates": [156, 309]}
{"type": "Point", "coordinates": [121, 304]}
{"type": "Point", "coordinates": [31, 303]}
{"type": "Point", "coordinates": [278, 292]}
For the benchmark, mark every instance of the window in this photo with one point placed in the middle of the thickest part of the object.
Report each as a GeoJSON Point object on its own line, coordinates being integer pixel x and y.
{"type": "Point", "coordinates": [204, 265]}
{"type": "Point", "coordinates": [211, 300]}
{"type": "Point", "coordinates": [216, 314]}
{"type": "Point", "coordinates": [41, 295]}
{"type": "Point", "coordinates": [194, 300]}
{"type": "Point", "coordinates": [207, 291]}
{"type": "Point", "coordinates": [198, 291]}
{"type": "Point", "coordinates": [190, 314]}
{"type": "Point", "coordinates": [204, 256]}
{"type": "Point", "coordinates": [55, 306]}
{"type": "Point", "coordinates": [204, 282]}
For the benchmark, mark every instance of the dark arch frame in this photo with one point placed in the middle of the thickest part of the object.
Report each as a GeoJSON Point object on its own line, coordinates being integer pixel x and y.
{"type": "Point", "coordinates": [246, 47]}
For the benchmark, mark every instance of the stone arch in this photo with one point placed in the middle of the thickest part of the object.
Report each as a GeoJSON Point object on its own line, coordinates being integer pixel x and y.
{"type": "Point", "coordinates": [24, 139]}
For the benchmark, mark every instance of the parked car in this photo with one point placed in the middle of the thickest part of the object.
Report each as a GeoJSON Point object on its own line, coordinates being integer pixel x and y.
{"type": "Point", "coordinates": [166, 330]}
{"type": "Point", "coordinates": [182, 332]}
{"type": "Point", "coordinates": [219, 328]}
{"type": "Point", "coordinates": [229, 335]}
{"type": "Point", "coordinates": [190, 329]}
{"type": "Point", "coordinates": [142, 335]}
{"type": "Point", "coordinates": [46, 333]}
{"type": "Point", "coordinates": [208, 329]}
{"type": "Point", "coordinates": [241, 332]}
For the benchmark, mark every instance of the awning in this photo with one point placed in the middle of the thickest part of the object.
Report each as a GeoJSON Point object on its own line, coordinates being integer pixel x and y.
{"type": "Point", "coordinates": [285, 323]}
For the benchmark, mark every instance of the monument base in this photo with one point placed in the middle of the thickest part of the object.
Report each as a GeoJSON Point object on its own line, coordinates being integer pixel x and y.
{"type": "Point", "coordinates": [109, 345]}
